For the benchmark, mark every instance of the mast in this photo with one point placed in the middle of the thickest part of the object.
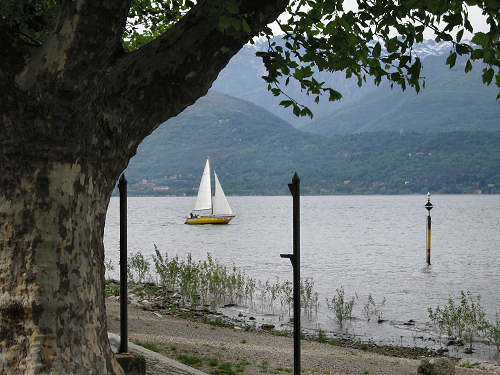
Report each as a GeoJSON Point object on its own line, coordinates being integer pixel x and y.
{"type": "Point", "coordinates": [211, 198]}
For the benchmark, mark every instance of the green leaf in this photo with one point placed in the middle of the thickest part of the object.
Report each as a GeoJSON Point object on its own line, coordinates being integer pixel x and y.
{"type": "Point", "coordinates": [468, 26]}
{"type": "Point", "coordinates": [479, 39]}
{"type": "Point", "coordinates": [275, 91]}
{"type": "Point", "coordinates": [245, 26]}
{"type": "Point", "coordinates": [446, 37]}
{"type": "Point", "coordinates": [334, 95]}
{"type": "Point", "coordinates": [468, 66]}
{"type": "Point", "coordinates": [232, 7]}
{"type": "Point", "coordinates": [376, 50]}
{"type": "Point", "coordinates": [235, 23]}
{"type": "Point", "coordinates": [463, 49]}
{"type": "Point", "coordinates": [451, 59]}
{"type": "Point", "coordinates": [476, 54]}
{"type": "Point", "coordinates": [392, 45]}
{"type": "Point", "coordinates": [488, 75]}
{"type": "Point", "coordinates": [286, 103]}
{"type": "Point", "coordinates": [402, 61]}
{"type": "Point", "coordinates": [224, 22]}
{"type": "Point", "coordinates": [306, 112]}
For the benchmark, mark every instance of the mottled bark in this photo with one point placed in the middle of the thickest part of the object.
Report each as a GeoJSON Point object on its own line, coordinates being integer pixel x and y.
{"type": "Point", "coordinates": [72, 113]}
{"type": "Point", "coordinates": [52, 318]}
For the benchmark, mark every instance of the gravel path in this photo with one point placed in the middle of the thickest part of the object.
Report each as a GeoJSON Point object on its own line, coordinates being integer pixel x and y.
{"type": "Point", "coordinates": [218, 349]}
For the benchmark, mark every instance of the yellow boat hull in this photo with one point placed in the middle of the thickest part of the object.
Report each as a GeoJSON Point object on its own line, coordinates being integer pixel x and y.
{"type": "Point", "coordinates": [209, 220]}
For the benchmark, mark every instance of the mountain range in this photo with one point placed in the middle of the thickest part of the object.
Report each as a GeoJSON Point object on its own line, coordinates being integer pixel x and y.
{"type": "Point", "coordinates": [256, 152]}
{"type": "Point", "coordinates": [451, 99]}
{"type": "Point", "coordinates": [445, 139]}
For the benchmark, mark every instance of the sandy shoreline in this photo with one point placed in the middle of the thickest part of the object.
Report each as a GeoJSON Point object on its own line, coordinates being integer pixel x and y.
{"type": "Point", "coordinates": [222, 350]}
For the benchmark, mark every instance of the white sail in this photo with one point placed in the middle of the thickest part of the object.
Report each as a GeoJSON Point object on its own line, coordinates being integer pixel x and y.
{"type": "Point", "coordinates": [204, 199]}
{"type": "Point", "coordinates": [220, 203]}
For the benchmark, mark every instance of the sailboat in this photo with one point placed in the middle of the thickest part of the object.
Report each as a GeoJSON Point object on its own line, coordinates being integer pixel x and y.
{"type": "Point", "coordinates": [208, 209]}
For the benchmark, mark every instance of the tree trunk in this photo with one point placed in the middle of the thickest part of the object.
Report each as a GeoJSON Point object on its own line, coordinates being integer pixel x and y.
{"type": "Point", "coordinates": [52, 312]}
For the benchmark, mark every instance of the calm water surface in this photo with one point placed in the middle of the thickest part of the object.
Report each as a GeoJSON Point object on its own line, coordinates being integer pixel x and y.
{"type": "Point", "coordinates": [367, 244]}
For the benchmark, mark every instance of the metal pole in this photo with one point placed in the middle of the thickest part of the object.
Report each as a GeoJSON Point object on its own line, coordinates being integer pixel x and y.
{"type": "Point", "coordinates": [295, 259]}
{"type": "Point", "coordinates": [428, 207]}
{"type": "Point", "coordinates": [428, 253]}
{"type": "Point", "coordinates": [122, 186]}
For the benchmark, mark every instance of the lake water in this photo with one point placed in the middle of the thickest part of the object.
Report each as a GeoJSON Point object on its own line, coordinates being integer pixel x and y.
{"type": "Point", "coordinates": [367, 244]}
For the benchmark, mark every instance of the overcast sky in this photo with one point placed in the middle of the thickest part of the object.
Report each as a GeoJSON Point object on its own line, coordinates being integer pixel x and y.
{"type": "Point", "coordinates": [477, 19]}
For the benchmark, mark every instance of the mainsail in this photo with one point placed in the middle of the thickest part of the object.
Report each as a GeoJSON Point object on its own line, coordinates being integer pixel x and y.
{"type": "Point", "coordinates": [204, 199]}
{"type": "Point", "coordinates": [220, 205]}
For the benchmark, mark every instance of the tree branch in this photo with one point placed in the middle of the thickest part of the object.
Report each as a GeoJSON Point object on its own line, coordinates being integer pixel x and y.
{"type": "Point", "coordinates": [148, 86]}
{"type": "Point", "coordinates": [11, 63]}
{"type": "Point", "coordinates": [86, 36]}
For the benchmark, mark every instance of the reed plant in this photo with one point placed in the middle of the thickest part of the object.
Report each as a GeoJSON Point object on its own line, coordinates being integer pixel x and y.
{"type": "Point", "coordinates": [210, 283]}
{"type": "Point", "coordinates": [108, 268]}
{"type": "Point", "coordinates": [309, 298]}
{"type": "Point", "coordinates": [250, 286]}
{"type": "Point", "coordinates": [166, 270]}
{"type": "Point", "coordinates": [189, 280]}
{"type": "Point", "coordinates": [492, 332]}
{"type": "Point", "coordinates": [286, 295]}
{"type": "Point", "coordinates": [137, 268]}
{"type": "Point", "coordinates": [207, 282]}
{"type": "Point", "coordinates": [341, 307]}
{"type": "Point", "coordinates": [373, 309]}
{"type": "Point", "coordinates": [274, 290]}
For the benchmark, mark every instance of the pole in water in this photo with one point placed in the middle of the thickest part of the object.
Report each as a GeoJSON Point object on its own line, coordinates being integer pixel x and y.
{"type": "Point", "coordinates": [295, 259]}
{"type": "Point", "coordinates": [122, 186]}
{"type": "Point", "coordinates": [428, 207]}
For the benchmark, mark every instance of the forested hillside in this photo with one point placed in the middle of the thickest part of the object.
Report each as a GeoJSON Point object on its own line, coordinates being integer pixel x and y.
{"type": "Point", "coordinates": [254, 152]}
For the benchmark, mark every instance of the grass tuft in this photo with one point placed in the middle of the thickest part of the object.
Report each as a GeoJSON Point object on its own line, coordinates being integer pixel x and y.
{"type": "Point", "coordinates": [149, 346]}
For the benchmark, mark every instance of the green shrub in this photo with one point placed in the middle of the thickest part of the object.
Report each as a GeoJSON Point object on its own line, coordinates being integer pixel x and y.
{"type": "Point", "coordinates": [462, 320]}
{"type": "Point", "coordinates": [190, 361]}
{"type": "Point", "coordinates": [149, 346]}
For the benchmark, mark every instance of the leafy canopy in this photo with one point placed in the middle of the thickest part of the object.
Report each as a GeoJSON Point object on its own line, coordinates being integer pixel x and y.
{"type": "Point", "coordinates": [29, 20]}
{"type": "Point", "coordinates": [375, 41]}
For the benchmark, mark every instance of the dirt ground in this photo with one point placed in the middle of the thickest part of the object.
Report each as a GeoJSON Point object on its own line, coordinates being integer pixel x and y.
{"type": "Point", "coordinates": [222, 350]}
